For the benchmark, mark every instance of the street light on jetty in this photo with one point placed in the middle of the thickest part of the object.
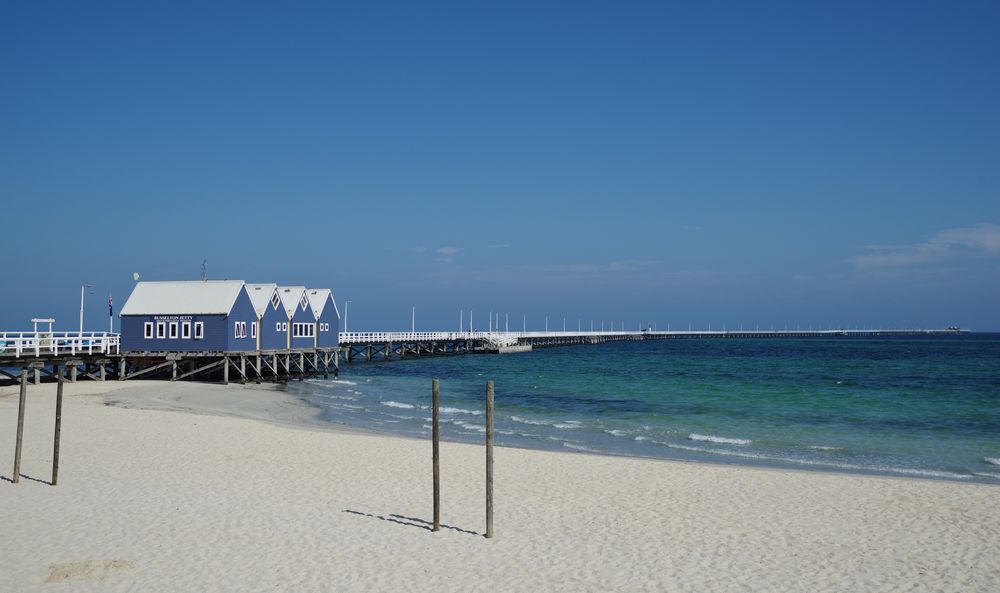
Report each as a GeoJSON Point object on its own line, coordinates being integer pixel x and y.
{"type": "Point", "coordinates": [346, 303]}
{"type": "Point", "coordinates": [413, 320]}
{"type": "Point", "coordinates": [82, 288]}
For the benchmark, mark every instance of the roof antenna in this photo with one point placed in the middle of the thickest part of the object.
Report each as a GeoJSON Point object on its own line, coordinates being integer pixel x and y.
{"type": "Point", "coordinates": [204, 270]}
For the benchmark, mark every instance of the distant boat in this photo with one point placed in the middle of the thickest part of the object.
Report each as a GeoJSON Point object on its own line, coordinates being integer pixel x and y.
{"type": "Point", "coordinates": [954, 328]}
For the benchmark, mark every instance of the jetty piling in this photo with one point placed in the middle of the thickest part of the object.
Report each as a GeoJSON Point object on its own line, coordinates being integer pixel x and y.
{"type": "Point", "coordinates": [489, 458]}
{"type": "Point", "coordinates": [20, 427]}
{"type": "Point", "coordinates": [436, 449]}
{"type": "Point", "coordinates": [60, 380]}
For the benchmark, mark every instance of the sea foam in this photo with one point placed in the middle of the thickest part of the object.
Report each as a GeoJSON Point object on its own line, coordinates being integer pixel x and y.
{"type": "Point", "coordinates": [447, 410]}
{"type": "Point", "coordinates": [393, 404]}
{"type": "Point", "coordinates": [721, 440]}
{"type": "Point", "coordinates": [992, 460]}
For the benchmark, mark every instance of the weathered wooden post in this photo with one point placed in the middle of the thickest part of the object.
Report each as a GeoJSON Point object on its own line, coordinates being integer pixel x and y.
{"type": "Point", "coordinates": [436, 449]}
{"type": "Point", "coordinates": [55, 444]}
{"type": "Point", "coordinates": [489, 458]}
{"type": "Point", "coordinates": [225, 370]}
{"type": "Point", "coordinates": [20, 427]}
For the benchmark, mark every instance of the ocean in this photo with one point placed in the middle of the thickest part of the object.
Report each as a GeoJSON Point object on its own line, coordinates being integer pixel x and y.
{"type": "Point", "coordinates": [926, 406]}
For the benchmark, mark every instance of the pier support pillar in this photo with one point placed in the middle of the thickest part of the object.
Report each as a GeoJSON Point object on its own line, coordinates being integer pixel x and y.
{"type": "Point", "coordinates": [122, 369]}
{"type": "Point", "coordinates": [173, 371]}
{"type": "Point", "coordinates": [243, 369]}
{"type": "Point", "coordinates": [72, 373]}
{"type": "Point", "coordinates": [36, 376]}
{"type": "Point", "coordinates": [101, 370]}
{"type": "Point", "coordinates": [225, 370]}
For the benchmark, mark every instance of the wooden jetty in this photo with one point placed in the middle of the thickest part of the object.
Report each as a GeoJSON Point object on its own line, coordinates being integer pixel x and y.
{"type": "Point", "coordinates": [384, 346]}
{"type": "Point", "coordinates": [98, 356]}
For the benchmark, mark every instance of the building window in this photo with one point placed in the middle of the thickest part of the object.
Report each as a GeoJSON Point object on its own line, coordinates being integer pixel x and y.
{"type": "Point", "coordinates": [173, 330]}
{"type": "Point", "coordinates": [161, 329]}
{"type": "Point", "coordinates": [241, 329]}
{"type": "Point", "coordinates": [284, 326]}
{"type": "Point", "coordinates": [199, 330]}
{"type": "Point", "coordinates": [277, 326]}
{"type": "Point", "coordinates": [147, 329]}
{"type": "Point", "coordinates": [304, 302]}
{"type": "Point", "coordinates": [253, 330]}
{"type": "Point", "coordinates": [275, 300]}
{"type": "Point", "coordinates": [186, 330]}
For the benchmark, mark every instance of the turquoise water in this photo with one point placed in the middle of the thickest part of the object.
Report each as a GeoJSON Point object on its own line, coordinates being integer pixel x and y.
{"type": "Point", "coordinates": [924, 407]}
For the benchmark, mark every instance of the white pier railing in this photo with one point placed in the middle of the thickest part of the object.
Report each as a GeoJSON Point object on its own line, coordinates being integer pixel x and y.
{"type": "Point", "coordinates": [20, 344]}
{"type": "Point", "coordinates": [495, 338]}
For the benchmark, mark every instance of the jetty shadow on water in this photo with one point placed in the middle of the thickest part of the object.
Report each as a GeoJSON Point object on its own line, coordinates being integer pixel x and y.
{"type": "Point", "coordinates": [410, 521]}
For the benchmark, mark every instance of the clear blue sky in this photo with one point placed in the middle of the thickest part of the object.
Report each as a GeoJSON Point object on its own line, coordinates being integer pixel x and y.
{"type": "Point", "coordinates": [759, 163]}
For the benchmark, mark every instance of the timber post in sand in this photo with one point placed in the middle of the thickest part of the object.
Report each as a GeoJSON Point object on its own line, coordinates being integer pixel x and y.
{"type": "Point", "coordinates": [489, 458]}
{"type": "Point", "coordinates": [20, 427]}
{"type": "Point", "coordinates": [436, 449]}
{"type": "Point", "coordinates": [55, 445]}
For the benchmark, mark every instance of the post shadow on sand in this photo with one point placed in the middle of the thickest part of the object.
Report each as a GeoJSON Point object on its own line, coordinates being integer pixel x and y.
{"type": "Point", "coordinates": [26, 477]}
{"type": "Point", "coordinates": [410, 521]}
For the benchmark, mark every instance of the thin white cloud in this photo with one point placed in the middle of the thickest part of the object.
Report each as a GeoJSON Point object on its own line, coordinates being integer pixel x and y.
{"type": "Point", "coordinates": [949, 244]}
{"type": "Point", "coordinates": [448, 251]}
{"type": "Point", "coordinates": [614, 267]}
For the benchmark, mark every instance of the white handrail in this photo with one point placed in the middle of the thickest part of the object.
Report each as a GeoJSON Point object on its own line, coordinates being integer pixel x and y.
{"type": "Point", "coordinates": [512, 337]}
{"type": "Point", "coordinates": [55, 343]}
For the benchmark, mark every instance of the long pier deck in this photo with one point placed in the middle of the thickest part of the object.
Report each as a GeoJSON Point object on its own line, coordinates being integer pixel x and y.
{"type": "Point", "coordinates": [378, 346]}
{"type": "Point", "coordinates": [97, 355]}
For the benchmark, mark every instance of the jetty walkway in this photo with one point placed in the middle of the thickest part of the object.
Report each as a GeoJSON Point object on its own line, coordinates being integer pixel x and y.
{"type": "Point", "coordinates": [98, 355]}
{"type": "Point", "coordinates": [373, 346]}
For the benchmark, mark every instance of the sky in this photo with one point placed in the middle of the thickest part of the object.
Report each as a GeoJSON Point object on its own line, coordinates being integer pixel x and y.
{"type": "Point", "coordinates": [776, 164]}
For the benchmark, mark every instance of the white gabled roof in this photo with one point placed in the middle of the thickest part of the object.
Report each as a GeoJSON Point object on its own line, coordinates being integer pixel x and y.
{"type": "Point", "coordinates": [318, 298]}
{"type": "Point", "coordinates": [260, 295]}
{"type": "Point", "coordinates": [195, 297]}
{"type": "Point", "coordinates": [290, 298]}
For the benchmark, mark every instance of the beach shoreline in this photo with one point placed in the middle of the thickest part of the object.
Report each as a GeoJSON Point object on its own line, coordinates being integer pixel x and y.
{"type": "Point", "coordinates": [216, 475]}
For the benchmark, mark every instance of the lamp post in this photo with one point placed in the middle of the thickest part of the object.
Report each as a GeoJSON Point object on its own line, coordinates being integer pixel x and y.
{"type": "Point", "coordinates": [346, 303]}
{"type": "Point", "coordinates": [413, 320]}
{"type": "Point", "coordinates": [82, 289]}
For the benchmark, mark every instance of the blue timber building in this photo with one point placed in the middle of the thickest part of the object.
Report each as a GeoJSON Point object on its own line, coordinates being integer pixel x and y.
{"type": "Point", "coordinates": [188, 316]}
{"type": "Point", "coordinates": [272, 318]}
{"type": "Point", "coordinates": [324, 308]}
{"type": "Point", "coordinates": [301, 320]}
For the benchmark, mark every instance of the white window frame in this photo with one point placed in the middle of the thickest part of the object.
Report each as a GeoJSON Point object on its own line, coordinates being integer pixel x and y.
{"type": "Point", "coordinates": [199, 330]}
{"type": "Point", "coordinates": [243, 329]}
{"type": "Point", "coordinates": [161, 330]}
{"type": "Point", "coordinates": [175, 330]}
{"type": "Point", "coordinates": [253, 330]}
{"type": "Point", "coordinates": [284, 326]}
{"type": "Point", "coordinates": [275, 300]}
{"type": "Point", "coordinates": [147, 330]}
{"type": "Point", "coordinates": [277, 326]}
{"type": "Point", "coordinates": [185, 330]}
{"type": "Point", "coordinates": [304, 301]}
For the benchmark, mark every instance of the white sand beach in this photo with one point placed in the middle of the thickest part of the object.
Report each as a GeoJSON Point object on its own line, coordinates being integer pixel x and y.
{"type": "Point", "coordinates": [190, 487]}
